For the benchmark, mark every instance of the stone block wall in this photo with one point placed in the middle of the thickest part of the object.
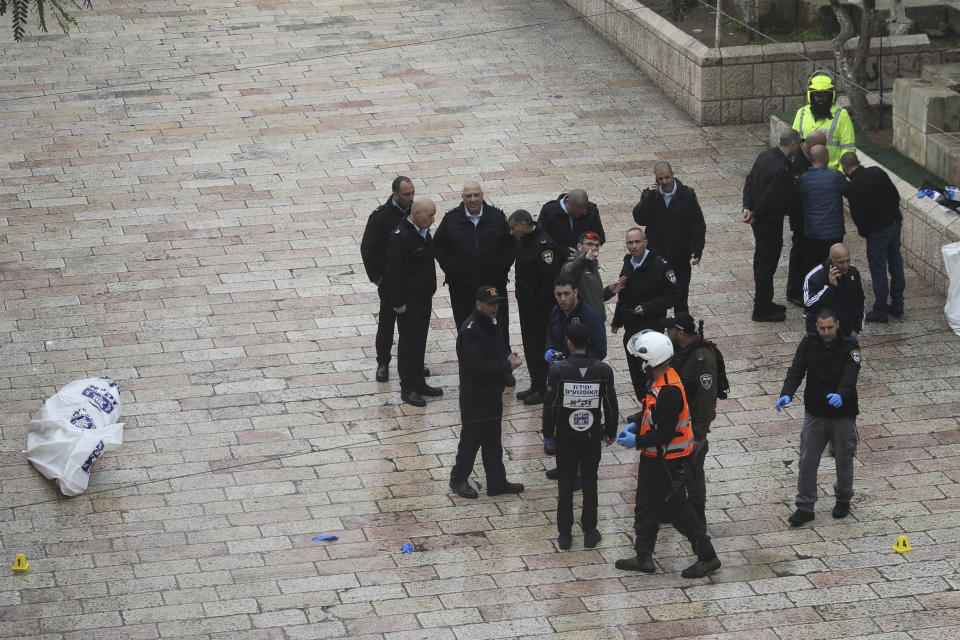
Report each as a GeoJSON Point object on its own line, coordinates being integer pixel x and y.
{"type": "Point", "coordinates": [926, 225]}
{"type": "Point", "coordinates": [926, 120]}
{"type": "Point", "coordinates": [733, 85]}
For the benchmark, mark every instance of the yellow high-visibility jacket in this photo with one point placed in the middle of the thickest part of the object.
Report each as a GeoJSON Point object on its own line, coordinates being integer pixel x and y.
{"type": "Point", "coordinates": [838, 129]}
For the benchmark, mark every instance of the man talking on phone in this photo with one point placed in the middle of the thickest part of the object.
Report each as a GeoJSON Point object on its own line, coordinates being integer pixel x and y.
{"type": "Point", "coordinates": [835, 284]}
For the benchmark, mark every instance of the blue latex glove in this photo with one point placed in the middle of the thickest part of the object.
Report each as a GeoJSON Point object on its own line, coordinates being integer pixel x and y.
{"type": "Point", "coordinates": [319, 538]}
{"type": "Point", "coordinates": [782, 402]}
{"type": "Point", "coordinates": [407, 548]}
{"type": "Point", "coordinates": [550, 443]}
{"type": "Point", "coordinates": [835, 400]}
{"type": "Point", "coordinates": [552, 355]}
{"type": "Point", "coordinates": [631, 428]}
{"type": "Point", "coordinates": [627, 439]}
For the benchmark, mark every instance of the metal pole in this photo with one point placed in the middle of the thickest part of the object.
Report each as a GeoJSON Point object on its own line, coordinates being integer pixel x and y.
{"type": "Point", "coordinates": [880, 74]}
{"type": "Point", "coordinates": [716, 34]}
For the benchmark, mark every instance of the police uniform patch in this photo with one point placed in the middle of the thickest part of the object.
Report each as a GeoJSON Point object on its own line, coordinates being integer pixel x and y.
{"type": "Point", "coordinates": [706, 380]}
{"type": "Point", "coordinates": [581, 420]}
{"type": "Point", "coordinates": [574, 320]}
{"type": "Point", "coordinates": [547, 256]}
{"type": "Point", "coordinates": [397, 230]}
{"type": "Point", "coordinates": [855, 354]}
{"type": "Point", "coordinates": [672, 277]}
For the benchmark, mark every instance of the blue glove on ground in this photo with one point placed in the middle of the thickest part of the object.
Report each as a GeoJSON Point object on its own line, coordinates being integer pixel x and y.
{"type": "Point", "coordinates": [835, 400]}
{"type": "Point", "coordinates": [782, 402]}
{"type": "Point", "coordinates": [407, 548]}
{"type": "Point", "coordinates": [627, 439]}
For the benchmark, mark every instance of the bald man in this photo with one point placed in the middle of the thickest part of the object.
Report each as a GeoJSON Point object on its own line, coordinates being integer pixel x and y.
{"type": "Point", "coordinates": [569, 217]}
{"type": "Point", "coordinates": [835, 284]}
{"type": "Point", "coordinates": [799, 163]}
{"type": "Point", "coordinates": [410, 281]}
{"type": "Point", "coordinates": [474, 248]}
{"type": "Point", "coordinates": [821, 196]}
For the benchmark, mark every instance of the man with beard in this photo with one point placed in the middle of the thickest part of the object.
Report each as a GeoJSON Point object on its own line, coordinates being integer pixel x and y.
{"type": "Point", "coordinates": [474, 246]}
{"type": "Point", "coordinates": [373, 249]}
{"type": "Point", "coordinates": [674, 225]}
{"type": "Point", "coordinates": [539, 259]}
{"type": "Point", "coordinates": [821, 113]}
{"type": "Point", "coordinates": [767, 195]}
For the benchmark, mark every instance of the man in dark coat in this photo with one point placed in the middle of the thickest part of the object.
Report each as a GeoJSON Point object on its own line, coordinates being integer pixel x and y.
{"type": "Point", "coordinates": [767, 193]}
{"type": "Point", "coordinates": [821, 192]}
{"type": "Point", "coordinates": [570, 216]}
{"type": "Point", "coordinates": [835, 284]}
{"type": "Point", "coordinates": [674, 225]}
{"type": "Point", "coordinates": [373, 250]}
{"type": "Point", "coordinates": [796, 272]}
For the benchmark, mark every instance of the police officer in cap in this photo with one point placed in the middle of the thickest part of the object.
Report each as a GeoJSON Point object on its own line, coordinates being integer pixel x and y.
{"type": "Point", "coordinates": [580, 411]}
{"type": "Point", "coordinates": [664, 436]}
{"type": "Point", "coordinates": [696, 363]}
{"type": "Point", "coordinates": [410, 282]}
{"type": "Point", "coordinates": [485, 360]}
{"type": "Point", "coordinates": [539, 259]}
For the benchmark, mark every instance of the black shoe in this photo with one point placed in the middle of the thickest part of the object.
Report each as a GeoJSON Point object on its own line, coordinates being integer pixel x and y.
{"type": "Point", "coordinates": [509, 380]}
{"type": "Point", "coordinates": [553, 474]}
{"type": "Point", "coordinates": [876, 316]}
{"type": "Point", "coordinates": [522, 395]}
{"type": "Point", "coordinates": [564, 540]}
{"type": "Point", "coordinates": [797, 302]}
{"type": "Point", "coordinates": [701, 568]}
{"type": "Point", "coordinates": [413, 398]}
{"type": "Point", "coordinates": [779, 308]}
{"type": "Point", "coordinates": [463, 489]}
{"type": "Point", "coordinates": [432, 392]}
{"type": "Point", "coordinates": [506, 487]}
{"type": "Point", "coordinates": [896, 312]}
{"type": "Point", "coordinates": [426, 372]}
{"type": "Point", "coordinates": [591, 539]}
{"type": "Point", "coordinates": [769, 316]}
{"type": "Point", "coordinates": [550, 450]}
{"type": "Point", "coordinates": [534, 398]}
{"type": "Point", "coordinates": [800, 517]}
{"type": "Point", "coordinates": [642, 562]}
{"type": "Point", "coordinates": [383, 373]}
{"type": "Point", "coordinates": [578, 483]}
{"type": "Point", "coordinates": [841, 510]}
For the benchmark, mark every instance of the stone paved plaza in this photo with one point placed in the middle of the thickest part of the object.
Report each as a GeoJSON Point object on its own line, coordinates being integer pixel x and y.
{"type": "Point", "coordinates": [183, 186]}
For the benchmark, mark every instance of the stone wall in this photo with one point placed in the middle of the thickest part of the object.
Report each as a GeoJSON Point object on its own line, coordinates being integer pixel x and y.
{"type": "Point", "coordinates": [732, 85]}
{"type": "Point", "coordinates": [926, 225]}
{"type": "Point", "coordinates": [926, 120]}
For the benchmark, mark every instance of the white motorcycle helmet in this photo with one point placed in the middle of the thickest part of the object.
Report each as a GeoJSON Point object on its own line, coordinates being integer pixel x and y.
{"type": "Point", "coordinates": [652, 347]}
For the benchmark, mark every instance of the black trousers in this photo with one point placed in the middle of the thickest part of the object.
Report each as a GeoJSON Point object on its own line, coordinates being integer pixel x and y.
{"type": "Point", "coordinates": [413, 326]}
{"type": "Point", "coordinates": [816, 251]}
{"type": "Point", "coordinates": [480, 418]}
{"type": "Point", "coordinates": [696, 480]}
{"type": "Point", "coordinates": [768, 236]}
{"type": "Point", "coordinates": [637, 376]}
{"type": "Point", "coordinates": [463, 300]}
{"type": "Point", "coordinates": [681, 267]}
{"type": "Point", "coordinates": [534, 318]}
{"type": "Point", "coordinates": [653, 485]}
{"type": "Point", "coordinates": [795, 272]}
{"type": "Point", "coordinates": [385, 321]}
{"type": "Point", "coordinates": [574, 454]}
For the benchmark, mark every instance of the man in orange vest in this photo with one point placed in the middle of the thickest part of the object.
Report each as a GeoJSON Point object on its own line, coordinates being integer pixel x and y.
{"type": "Point", "coordinates": [664, 435]}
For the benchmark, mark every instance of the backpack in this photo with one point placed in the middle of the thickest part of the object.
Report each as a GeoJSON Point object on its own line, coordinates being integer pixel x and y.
{"type": "Point", "coordinates": [723, 384]}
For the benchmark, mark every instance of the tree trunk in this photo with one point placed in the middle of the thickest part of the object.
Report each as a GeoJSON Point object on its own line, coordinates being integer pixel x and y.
{"type": "Point", "coordinates": [853, 72]}
{"type": "Point", "coordinates": [901, 24]}
{"type": "Point", "coordinates": [750, 16]}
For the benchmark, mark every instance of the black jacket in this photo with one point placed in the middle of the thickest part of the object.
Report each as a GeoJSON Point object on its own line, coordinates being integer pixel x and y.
{"type": "Point", "coordinates": [697, 366]}
{"type": "Point", "coordinates": [475, 255]}
{"type": "Point", "coordinates": [373, 246]}
{"type": "Point", "coordinates": [874, 200]}
{"type": "Point", "coordinates": [653, 285]}
{"type": "Point", "coordinates": [581, 402]}
{"type": "Point", "coordinates": [828, 370]}
{"type": "Point", "coordinates": [411, 271]}
{"type": "Point", "coordinates": [768, 187]}
{"type": "Point", "coordinates": [847, 298]}
{"type": "Point", "coordinates": [557, 223]}
{"type": "Point", "coordinates": [482, 356]}
{"type": "Point", "coordinates": [539, 260]}
{"type": "Point", "coordinates": [676, 231]}
{"type": "Point", "coordinates": [583, 314]}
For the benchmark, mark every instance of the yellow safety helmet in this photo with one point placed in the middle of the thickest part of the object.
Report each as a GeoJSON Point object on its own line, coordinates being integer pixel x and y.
{"type": "Point", "coordinates": [821, 82]}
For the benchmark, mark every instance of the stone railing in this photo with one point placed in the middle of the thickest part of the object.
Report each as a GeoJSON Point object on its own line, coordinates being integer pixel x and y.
{"type": "Point", "coordinates": [733, 85]}
{"type": "Point", "coordinates": [926, 225]}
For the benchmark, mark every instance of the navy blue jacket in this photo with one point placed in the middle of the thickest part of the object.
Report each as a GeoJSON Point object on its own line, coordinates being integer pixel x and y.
{"type": "Point", "coordinates": [847, 298]}
{"type": "Point", "coordinates": [821, 196]}
{"type": "Point", "coordinates": [584, 314]}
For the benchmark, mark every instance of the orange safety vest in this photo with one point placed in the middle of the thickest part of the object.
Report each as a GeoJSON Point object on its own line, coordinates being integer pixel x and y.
{"type": "Point", "coordinates": [682, 443]}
